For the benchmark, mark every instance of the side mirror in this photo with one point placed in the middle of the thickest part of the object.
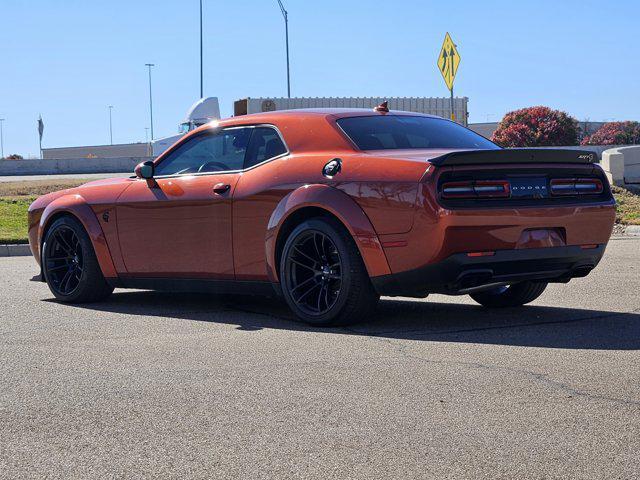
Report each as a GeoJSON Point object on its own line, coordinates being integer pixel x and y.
{"type": "Point", "coordinates": [145, 170]}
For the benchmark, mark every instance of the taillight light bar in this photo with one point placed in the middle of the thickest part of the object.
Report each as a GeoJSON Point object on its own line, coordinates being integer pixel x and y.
{"type": "Point", "coordinates": [576, 186]}
{"type": "Point", "coordinates": [477, 188]}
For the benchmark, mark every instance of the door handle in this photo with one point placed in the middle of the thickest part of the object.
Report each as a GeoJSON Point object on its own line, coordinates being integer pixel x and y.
{"type": "Point", "coordinates": [221, 188]}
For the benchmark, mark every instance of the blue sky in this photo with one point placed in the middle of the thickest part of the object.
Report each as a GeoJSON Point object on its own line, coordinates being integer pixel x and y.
{"type": "Point", "coordinates": [69, 59]}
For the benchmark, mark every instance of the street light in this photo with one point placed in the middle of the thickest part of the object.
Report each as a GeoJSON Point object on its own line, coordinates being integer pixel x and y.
{"type": "Point", "coordinates": [286, 33]}
{"type": "Point", "coordinates": [1, 139]}
{"type": "Point", "coordinates": [149, 65]}
{"type": "Point", "coordinates": [201, 74]}
{"type": "Point", "coordinates": [110, 125]}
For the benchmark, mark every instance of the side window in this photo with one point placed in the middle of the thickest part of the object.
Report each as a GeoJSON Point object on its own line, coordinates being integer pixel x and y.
{"type": "Point", "coordinates": [210, 152]}
{"type": "Point", "coordinates": [265, 144]}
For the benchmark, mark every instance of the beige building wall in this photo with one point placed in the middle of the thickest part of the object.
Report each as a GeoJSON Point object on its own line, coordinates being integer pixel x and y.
{"type": "Point", "coordinates": [98, 151]}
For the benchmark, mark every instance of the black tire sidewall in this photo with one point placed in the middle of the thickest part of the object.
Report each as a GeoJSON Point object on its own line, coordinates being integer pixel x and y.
{"type": "Point", "coordinates": [328, 227]}
{"type": "Point", "coordinates": [516, 295]}
{"type": "Point", "coordinates": [88, 258]}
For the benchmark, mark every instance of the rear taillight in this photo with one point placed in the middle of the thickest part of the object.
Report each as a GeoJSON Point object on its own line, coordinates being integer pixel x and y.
{"type": "Point", "coordinates": [476, 189]}
{"type": "Point", "coordinates": [576, 186]}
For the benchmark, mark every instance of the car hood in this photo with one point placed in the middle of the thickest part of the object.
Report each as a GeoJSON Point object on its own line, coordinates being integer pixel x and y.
{"type": "Point", "coordinates": [106, 181]}
{"type": "Point", "coordinates": [96, 191]}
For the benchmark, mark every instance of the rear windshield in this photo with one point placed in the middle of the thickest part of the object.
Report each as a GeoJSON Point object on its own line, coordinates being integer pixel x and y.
{"type": "Point", "coordinates": [389, 132]}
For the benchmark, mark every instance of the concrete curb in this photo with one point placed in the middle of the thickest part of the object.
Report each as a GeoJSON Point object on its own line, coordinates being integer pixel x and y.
{"type": "Point", "coordinates": [22, 250]}
{"type": "Point", "coordinates": [633, 230]}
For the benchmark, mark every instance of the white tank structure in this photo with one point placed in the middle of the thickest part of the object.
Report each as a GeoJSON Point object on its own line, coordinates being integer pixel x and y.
{"type": "Point", "coordinates": [440, 106]}
{"type": "Point", "coordinates": [203, 111]}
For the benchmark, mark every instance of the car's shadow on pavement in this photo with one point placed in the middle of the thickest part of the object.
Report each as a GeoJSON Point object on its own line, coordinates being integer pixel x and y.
{"type": "Point", "coordinates": [534, 326]}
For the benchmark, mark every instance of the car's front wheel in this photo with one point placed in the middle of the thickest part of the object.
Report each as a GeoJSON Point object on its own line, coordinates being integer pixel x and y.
{"type": "Point", "coordinates": [323, 277]}
{"type": "Point", "coordinates": [69, 263]}
{"type": "Point", "coordinates": [510, 295]}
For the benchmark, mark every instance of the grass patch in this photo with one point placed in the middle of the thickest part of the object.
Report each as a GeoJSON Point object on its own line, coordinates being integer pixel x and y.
{"type": "Point", "coordinates": [15, 198]}
{"type": "Point", "coordinates": [628, 205]}
{"type": "Point", "coordinates": [13, 219]}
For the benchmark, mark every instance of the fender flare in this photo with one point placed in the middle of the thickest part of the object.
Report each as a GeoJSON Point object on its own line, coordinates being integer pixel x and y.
{"type": "Point", "coordinates": [77, 206]}
{"type": "Point", "coordinates": [341, 206]}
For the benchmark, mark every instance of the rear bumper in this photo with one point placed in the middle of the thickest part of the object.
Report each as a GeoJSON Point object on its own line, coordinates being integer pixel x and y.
{"type": "Point", "coordinates": [459, 273]}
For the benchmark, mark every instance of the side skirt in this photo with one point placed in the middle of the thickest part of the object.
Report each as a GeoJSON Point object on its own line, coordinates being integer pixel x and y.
{"type": "Point", "coordinates": [188, 285]}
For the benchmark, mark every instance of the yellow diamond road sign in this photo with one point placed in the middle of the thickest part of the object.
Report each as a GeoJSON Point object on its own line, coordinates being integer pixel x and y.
{"type": "Point", "coordinates": [448, 61]}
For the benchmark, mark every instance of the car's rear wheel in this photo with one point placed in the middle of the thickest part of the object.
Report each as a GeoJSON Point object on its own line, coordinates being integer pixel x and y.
{"type": "Point", "coordinates": [323, 277]}
{"type": "Point", "coordinates": [510, 295]}
{"type": "Point", "coordinates": [69, 263]}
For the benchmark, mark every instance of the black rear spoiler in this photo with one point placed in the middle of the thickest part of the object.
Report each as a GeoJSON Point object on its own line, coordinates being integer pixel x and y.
{"type": "Point", "coordinates": [515, 155]}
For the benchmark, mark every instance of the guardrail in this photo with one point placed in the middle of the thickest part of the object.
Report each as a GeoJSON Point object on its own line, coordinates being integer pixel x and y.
{"type": "Point", "coordinates": [71, 165]}
{"type": "Point", "coordinates": [127, 164]}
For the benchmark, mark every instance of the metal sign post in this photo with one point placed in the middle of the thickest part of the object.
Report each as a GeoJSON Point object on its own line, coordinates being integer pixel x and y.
{"type": "Point", "coordinates": [448, 62]}
{"type": "Point", "coordinates": [453, 113]}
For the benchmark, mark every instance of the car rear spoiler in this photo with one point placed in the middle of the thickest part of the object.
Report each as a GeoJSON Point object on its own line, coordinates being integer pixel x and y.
{"type": "Point", "coordinates": [514, 155]}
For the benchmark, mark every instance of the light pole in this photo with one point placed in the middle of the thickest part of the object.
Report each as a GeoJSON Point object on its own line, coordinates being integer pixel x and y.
{"type": "Point", "coordinates": [146, 134]}
{"type": "Point", "coordinates": [1, 139]}
{"type": "Point", "coordinates": [110, 125]}
{"type": "Point", "coordinates": [286, 35]}
{"type": "Point", "coordinates": [201, 74]}
{"type": "Point", "coordinates": [150, 98]}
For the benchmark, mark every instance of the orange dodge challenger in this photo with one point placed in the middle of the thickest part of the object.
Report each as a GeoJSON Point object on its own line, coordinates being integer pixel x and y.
{"type": "Point", "coordinates": [331, 209]}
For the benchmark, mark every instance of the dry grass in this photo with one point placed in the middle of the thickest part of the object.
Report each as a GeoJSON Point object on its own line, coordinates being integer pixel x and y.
{"type": "Point", "coordinates": [35, 188]}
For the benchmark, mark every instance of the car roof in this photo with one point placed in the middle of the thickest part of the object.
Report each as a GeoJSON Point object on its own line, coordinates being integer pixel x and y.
{"type": "Point", "coordinates": [313, 112]}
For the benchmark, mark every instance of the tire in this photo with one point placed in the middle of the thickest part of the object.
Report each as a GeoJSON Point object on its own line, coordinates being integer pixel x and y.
{"type": "Point", "coordinates": [320, 255]}
{"type": "Point", "coordinates": [69, 263]}
{"type": "Point", "coordinates": [511, 295]}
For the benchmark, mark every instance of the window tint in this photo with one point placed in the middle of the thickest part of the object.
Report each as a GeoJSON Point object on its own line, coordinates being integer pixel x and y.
{"type": "Point", "coordinates": [265, 144]}
{"type": "Point", "coordinates": [398, 132]}
{"type": "Point", "coordinates": [211, 152]}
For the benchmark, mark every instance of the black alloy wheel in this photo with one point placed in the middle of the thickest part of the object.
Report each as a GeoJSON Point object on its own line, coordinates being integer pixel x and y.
{"type": "Point", "coordinates": [322, 275]}
{"type": "Point", "coordinates": [69, 264]}
{"type": "Point", "coordinates": [63, 260]}
{"type": "Point", "coordinates": [314, 272]}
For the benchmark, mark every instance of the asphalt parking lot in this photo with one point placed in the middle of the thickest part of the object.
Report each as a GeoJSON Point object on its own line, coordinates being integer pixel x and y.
{"type": "Point", "coordinates": [150, 384]}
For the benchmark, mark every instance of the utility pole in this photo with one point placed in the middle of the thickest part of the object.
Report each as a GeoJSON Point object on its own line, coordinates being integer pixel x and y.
{"type": "Point", "coordinates": [201, 67]}
{"type": "Point", "coordinates": [149, 65]}
{"type": "Point", "coordinates": [1, 139]}
{"type": "Point", "coordinates": [146, 141]}
{"type": "Point", "coordinates": [285, 15]}
{"type": "Point", "coordinates": [110, 125]}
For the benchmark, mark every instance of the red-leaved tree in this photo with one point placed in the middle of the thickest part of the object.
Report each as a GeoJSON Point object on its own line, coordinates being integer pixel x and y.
{"type": "Point", "coordinates": [536, 127]}
{"type": "Point", "coordinates": [615, 133]}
